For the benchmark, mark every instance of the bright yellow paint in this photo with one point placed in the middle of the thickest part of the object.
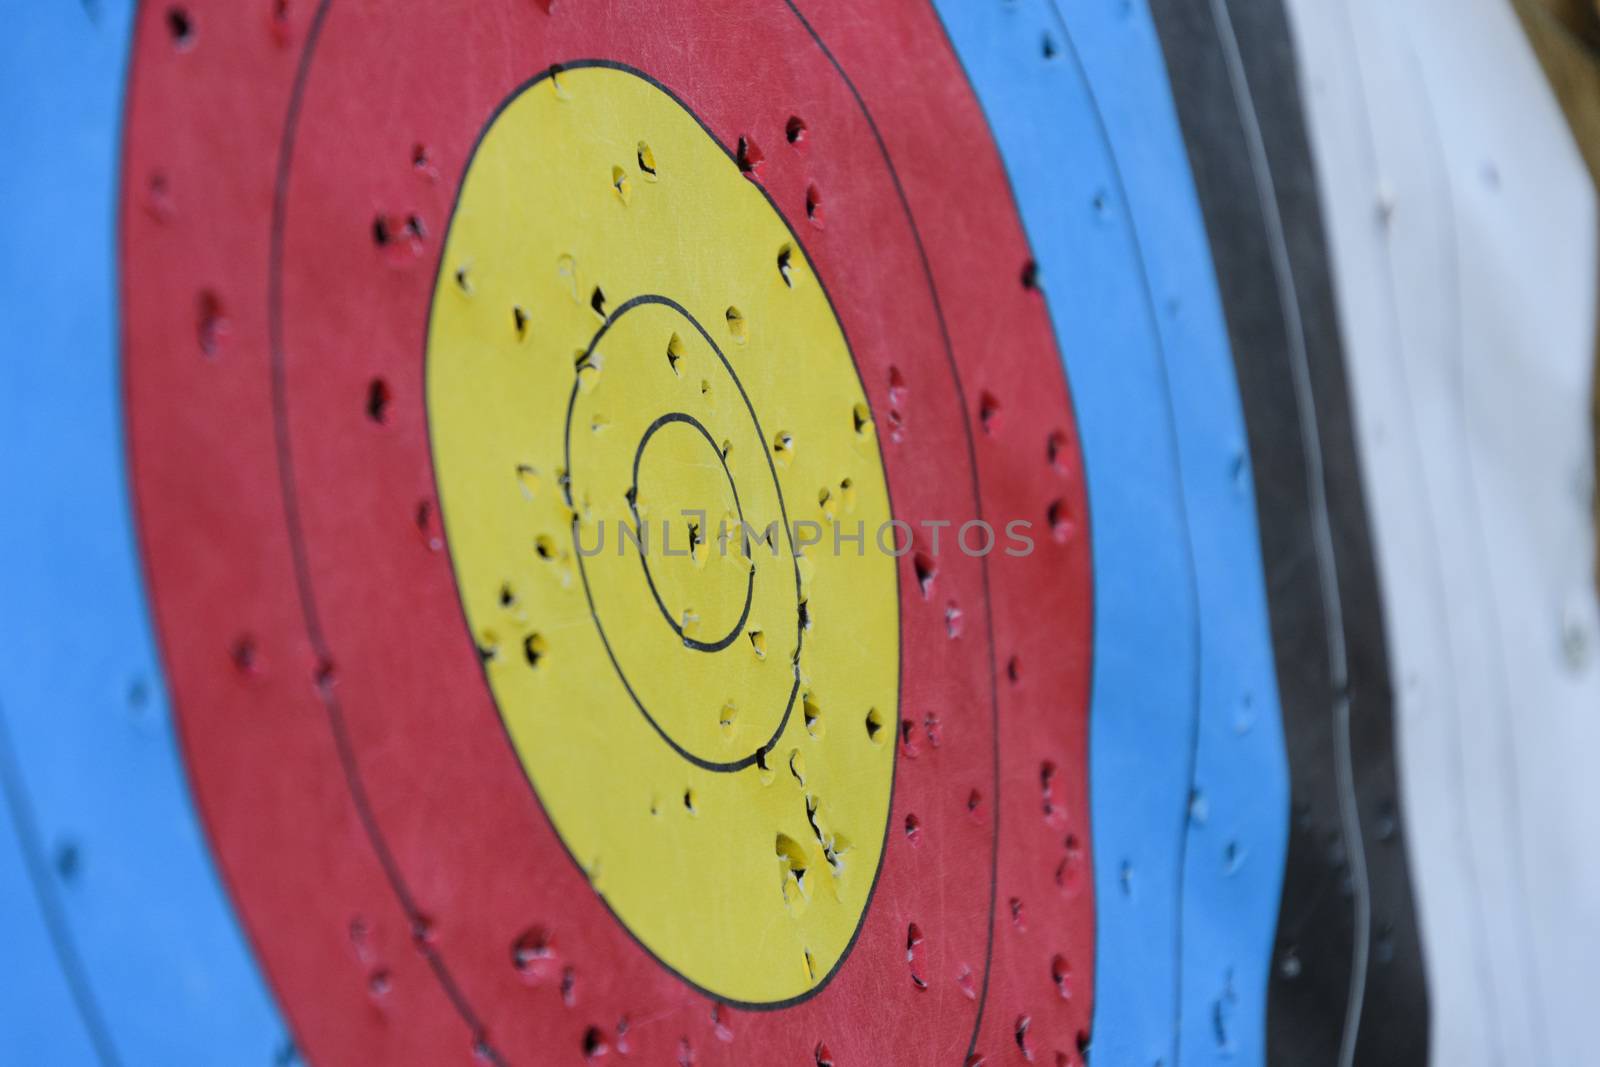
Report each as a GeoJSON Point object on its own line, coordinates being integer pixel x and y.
{"type": "Point", "coordinates": [698, 863]}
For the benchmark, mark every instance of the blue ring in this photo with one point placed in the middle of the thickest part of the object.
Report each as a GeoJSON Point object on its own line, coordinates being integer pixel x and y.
{"type": "Point", "coordinates": [121, 944]}
{"type": "Point", "coordinates": [1188, 780]}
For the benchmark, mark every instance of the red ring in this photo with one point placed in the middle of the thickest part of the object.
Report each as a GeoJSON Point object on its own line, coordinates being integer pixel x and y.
{"type": "Point", "coordinates": [448, 821]}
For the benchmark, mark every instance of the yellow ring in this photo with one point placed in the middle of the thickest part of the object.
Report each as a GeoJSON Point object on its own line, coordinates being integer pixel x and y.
{"type": "Point", "coordinates": [607, 265]}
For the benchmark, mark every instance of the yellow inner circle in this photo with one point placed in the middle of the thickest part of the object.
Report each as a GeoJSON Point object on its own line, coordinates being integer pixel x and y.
{"type": "Point", "coordinates": [608, 265]}
{"type": "Point", "coordinates": [688, 509]}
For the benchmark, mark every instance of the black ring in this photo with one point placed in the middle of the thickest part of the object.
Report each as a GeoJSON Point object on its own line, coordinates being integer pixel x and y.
{"type": "Point", "coordinates": [644, 556]}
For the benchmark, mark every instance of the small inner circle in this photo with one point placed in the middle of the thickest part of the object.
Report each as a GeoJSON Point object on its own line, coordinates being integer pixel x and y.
{"type": "Point", "coordinates": [573, 476]}
{"type": "Point", "coordinates": [671, 418]}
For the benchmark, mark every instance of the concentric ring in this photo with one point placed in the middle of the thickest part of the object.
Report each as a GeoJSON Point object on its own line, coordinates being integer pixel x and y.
{"type": "Point", "coordinates": [685, 419]}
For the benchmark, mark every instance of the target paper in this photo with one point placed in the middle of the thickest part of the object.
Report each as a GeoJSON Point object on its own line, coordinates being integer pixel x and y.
{"type": "Point", "coordinates": [796, 532]}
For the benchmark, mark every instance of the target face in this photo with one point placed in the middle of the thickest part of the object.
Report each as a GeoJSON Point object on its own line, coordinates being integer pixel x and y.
{"type": "Point", "coordinates": [668, 701]}
{"type": "Point", "coordinates": [503, 748]}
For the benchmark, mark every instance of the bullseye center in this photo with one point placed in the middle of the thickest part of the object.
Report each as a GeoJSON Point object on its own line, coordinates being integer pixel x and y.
{"type": "Point", "coordinates": [686, 538]}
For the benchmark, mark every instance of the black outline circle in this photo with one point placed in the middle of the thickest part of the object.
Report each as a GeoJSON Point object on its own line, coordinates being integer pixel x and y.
{"type": "Point", "coordinates": [669, 419]}
{"type": "Point", "coordinates": [645, 300]}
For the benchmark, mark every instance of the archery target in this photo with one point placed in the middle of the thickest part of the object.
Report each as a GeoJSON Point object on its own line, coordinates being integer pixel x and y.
{"type": "Point", "coordinates": [778, 804]}
{"type": "Point", "coordinates": [553, 436]}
